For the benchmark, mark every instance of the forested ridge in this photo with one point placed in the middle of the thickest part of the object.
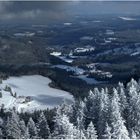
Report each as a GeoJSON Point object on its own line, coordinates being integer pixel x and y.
{"type": "Point", "coordinates": [103, 114]}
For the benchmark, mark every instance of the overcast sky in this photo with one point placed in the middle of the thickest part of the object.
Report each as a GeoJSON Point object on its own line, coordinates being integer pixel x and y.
{"type": "Point", "coordinates": [43, 12]}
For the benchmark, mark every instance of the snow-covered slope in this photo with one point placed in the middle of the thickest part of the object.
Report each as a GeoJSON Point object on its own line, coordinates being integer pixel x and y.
{"type": "Point", "coordinates": [36, 87]}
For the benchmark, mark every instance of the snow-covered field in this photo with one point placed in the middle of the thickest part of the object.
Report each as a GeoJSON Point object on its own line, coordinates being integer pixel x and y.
{"type": "Point", "coordinates": [64, 58]}
{"type": "Point", "coordinates": [86, 38]}
{"type": "Point", "coordinates": [67, 23]}
{"type": "Point", "coordinates": [35, 86]}
{"type": "Point", "coordinates": [55, 53]}
{"type": "Point", "coordinates": [76, 70]}
{"type": "Point", "coordinates": [127, 18]}
{"type": "Point", "coordinates": [27, 34]}
{"type": "Point", "coordinates": [68, 60]}
{"type": "Point", "coordinates": [87, 48]}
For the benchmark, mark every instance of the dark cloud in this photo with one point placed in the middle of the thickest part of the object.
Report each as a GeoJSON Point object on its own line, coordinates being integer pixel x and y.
{"type": "Point", "coordinates": [48, 11]}
{"type": "Point", "coordinates": [33, 5]}
{"type": "Point", "coordinates": [31, 11]}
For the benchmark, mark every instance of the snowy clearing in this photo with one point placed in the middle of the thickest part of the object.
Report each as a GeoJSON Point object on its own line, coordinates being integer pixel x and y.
{"type": "Point", "coordinates": [87, 48]}
{"type": "Point", "coordinates": [110, 32]}
{"type": "Point", "coordinates": [86, 38]}
{"type": "Point", "coordinates": [36, 87]}
{"type": "Point", "coordinates": [135, 53]}
{"type": "Point", "coordinates": [68, 60]}
{"type": "Point", "coordinates": [26, 34]}
{"type": "Point", "coordinates": [127, 18]}
{"type": "Point", "coordinates": [67, 23]}
{"type": "Point", "coordinates": [76, 70]}
{"type": "Point", "coordinates": [55, 53]}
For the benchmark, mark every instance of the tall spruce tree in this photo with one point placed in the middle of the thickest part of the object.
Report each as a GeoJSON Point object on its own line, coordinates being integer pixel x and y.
{"type": "Point", "coordinates": [92, 106]}
{"type": "Point", "coordinates": [78, 115]}
{"type": "Point", "coordinates": [80, 134]}
{"type": "Point", "coordinates": [119, 130]}
{"type": "Point", "coordinates": [12, 126]}
{"type": "Point", "coordinates": [123, 99]}
{"type": "Point", "coordinates": [103, 112]}
{"type": "Point", "coordinates": [134, 109]}
{"type": "Point", "coordinates": [24, 130]}
{"type": "Point", "coordinates": [91, 133]}
{"type": "Point", "coordinates": [32, 129]}
{"type": "Point", "coordinates": [43, 128]}
{"type": "Point", "coordinates": [63, 129]}
{"type": "Point", "coordinates": [107, 132]}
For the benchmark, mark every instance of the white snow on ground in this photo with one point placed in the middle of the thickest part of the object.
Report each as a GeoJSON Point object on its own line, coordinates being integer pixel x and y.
{"type": "Point", "coordinates": [109, 32]}
{"type": "Point", "coordinates": [27, 34]}
{"type": "Point", "coordinates": [67, 23]}
{"type": "Point", "coordinates": [55, 53]}
{"type": "Point", "coordinates": [86, 38]}
{"type": "Point", "coordinates": [7, 100]}
{"type": "Point", "coordinates": [112, 38]}
{"type": "Point", "coordinates": [127, 18]}
{"type": "Point", "coordinates": [76, 70]}
{"type": "Point", "coordinates": [68, 60]}
{"type": "Point", "coordinates": [107, 41]}
{"type": "Point", "coordinates": [87, 48]}
{"type": "Point", "coordinates": [64, 58]}
{"type": "Point", "coordinates": [37, 88]}
{"type": "Point", "coordinates": [92, 65]}
{"type": "Point", "coordinates": [135, 53]}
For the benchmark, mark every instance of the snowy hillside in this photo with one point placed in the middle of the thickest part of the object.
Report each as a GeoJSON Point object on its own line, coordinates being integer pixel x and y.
{"type": "Point", "coordinates": [33, 93]}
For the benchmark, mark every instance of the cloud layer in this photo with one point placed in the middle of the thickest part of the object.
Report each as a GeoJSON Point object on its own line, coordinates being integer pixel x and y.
{"type": "Point", "coordinates": [48, 11]}
{"type": "Point", "coordinates": [24, 11]}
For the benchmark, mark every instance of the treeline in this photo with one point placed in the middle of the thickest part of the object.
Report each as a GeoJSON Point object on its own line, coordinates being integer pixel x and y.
{"type": "Point", "coordinates": [104, 114]}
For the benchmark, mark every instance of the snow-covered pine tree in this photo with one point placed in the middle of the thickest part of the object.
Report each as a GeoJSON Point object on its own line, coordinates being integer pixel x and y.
{"type": "Point", "coordinates": [63, 129]}
{"type": "Point", "coordinates": [107, 132]}
{"type": "Point", "coordinates": [64, 108]}
{"type": "Point", "coordinates": [119, 130]}
{"type": "Point", "coordinates": [133, 109]}
{"type": "Point", "coordinates": [43, 128]}
{"type": "Point", "coordinates": [80, 128]}
{"type": "Point", "coordinates": [89, 104]}
{"type": "Point", "coordinates": [78, 117]}
{"type": "Point", "coordinates": [32, 129]}
{"type": "Point", "coordinates": [12, 127]}
{"type": "Point", "coordinates": [132, 84]}
{"type": "Point", "coordinates": [92, 105]}
{"type": "Point", "coordinates": [80, 134]}
{"type": "Point", "coordinates": [24, 130]}
{"type": "Point", "coordinates": [90, 132]}
{"type": "Point", "coordinates": [123, 99]}
{"type": "Point", "coordinates": [103, 112]}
